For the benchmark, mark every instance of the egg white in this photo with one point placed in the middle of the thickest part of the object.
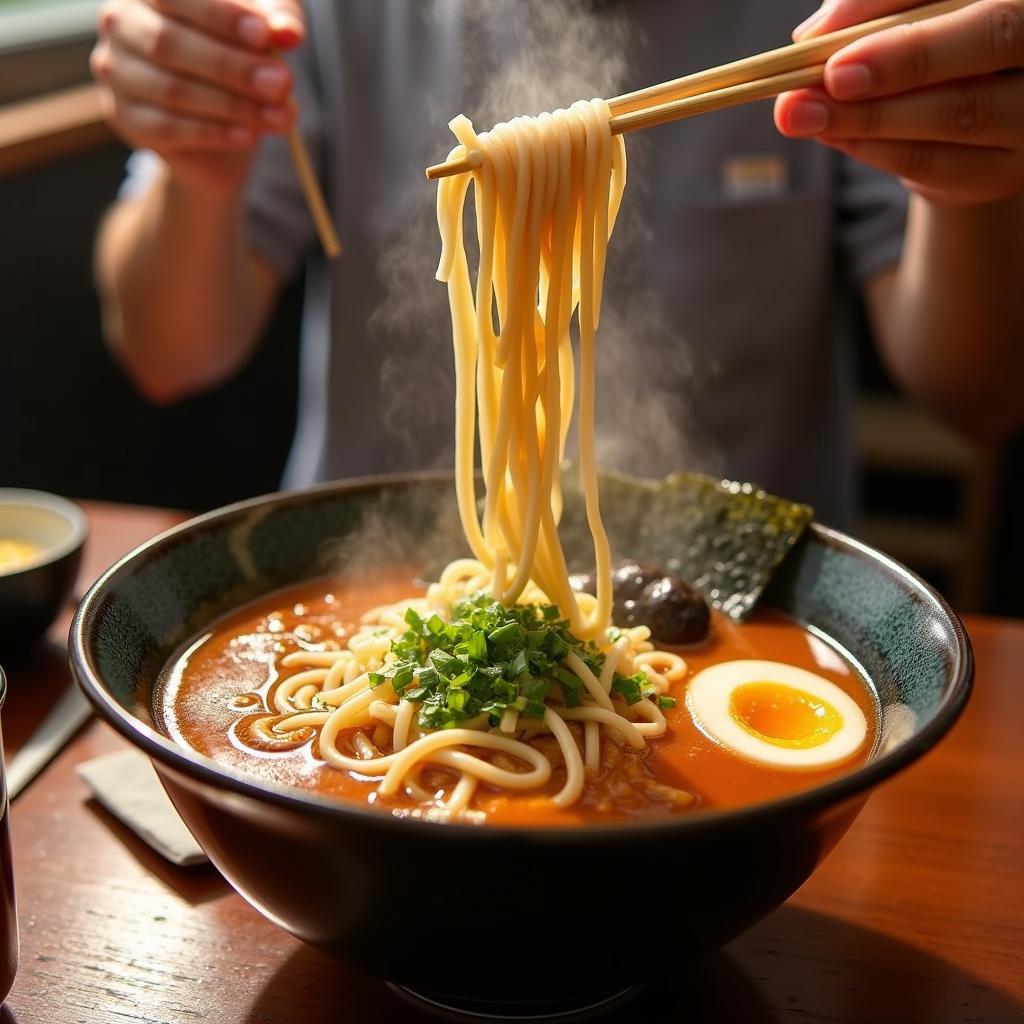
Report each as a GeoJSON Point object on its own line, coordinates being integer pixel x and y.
{"type": "Point", "coordinates": [709, 693]}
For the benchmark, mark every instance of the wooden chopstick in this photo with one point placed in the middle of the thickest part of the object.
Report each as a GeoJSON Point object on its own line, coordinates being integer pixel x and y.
{"type": "Point", "coordinates": [470, 162]}
{"type": "Point", "coordinates": [314, 196]}
{"type": "Point", "coordinates": [766, 74]}
{"type": "Point", "coordinates": [315, 201]}
{"type": "Point", "coordinates": [718, 99]}
{"type": "Point", "coordinates": [775, 62]}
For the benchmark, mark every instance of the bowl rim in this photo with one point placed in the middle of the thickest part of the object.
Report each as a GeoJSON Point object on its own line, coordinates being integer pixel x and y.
{"type": "Point", "coordinates": [71, 513]}
{"type": "Point", "coordinates": [206, 770]}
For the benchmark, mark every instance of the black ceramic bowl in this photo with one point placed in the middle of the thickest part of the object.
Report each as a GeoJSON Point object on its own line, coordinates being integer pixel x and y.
{"type": "Point", "coordinates": [498, 916]}
{"type": "Point", "coordinates": [32, 594]}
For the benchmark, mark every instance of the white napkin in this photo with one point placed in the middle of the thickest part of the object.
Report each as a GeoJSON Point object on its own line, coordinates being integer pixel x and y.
{"type": "Point", "coordinates": [126, 785]}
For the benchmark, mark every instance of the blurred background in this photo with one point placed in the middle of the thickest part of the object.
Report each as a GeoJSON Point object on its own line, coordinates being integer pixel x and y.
{"type": "Point", "coordinates": [71, 423]}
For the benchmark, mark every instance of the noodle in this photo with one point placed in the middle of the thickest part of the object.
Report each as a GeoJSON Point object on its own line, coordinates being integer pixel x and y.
{"type": "Point", "coordinates": [546, 196]}
{"type": "Point", "coordinates": [549, 222]}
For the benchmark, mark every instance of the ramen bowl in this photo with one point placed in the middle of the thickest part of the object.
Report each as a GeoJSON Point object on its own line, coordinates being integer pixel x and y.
{"type": "Point", "coordinates": [49, 533]}
{"type": "Point", "coordinates": [498, 918]}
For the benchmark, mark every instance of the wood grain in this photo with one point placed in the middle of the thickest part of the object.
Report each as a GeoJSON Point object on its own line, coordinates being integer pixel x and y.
{"type": "Point", "coordinates": [52, 127]}
{"type": "Point", "coordinates": [917, 917]}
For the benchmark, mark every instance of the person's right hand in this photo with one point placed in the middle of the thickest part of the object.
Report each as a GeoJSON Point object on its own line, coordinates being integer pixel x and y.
{"type": "Point", "coordinates": [197, 81]}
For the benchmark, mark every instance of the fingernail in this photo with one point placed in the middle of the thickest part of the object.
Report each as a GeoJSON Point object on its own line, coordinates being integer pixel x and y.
{"type": "Point", "coordinates": [807, 117]}
{"type": "Point", "coordinates": [283, 22]}
{"type": "Point", "coordinates": [275, 117]}
{"type": "Point", "coordinates": [253, 31]}
{"type": "Point", "coordinates": [240, 136]}
{"type": "Point", "coordinates": [270, 81]}
{"type": "Point", "coordinates": [848, 81]}
{"type": "Point", "coordinates": [809, 23]}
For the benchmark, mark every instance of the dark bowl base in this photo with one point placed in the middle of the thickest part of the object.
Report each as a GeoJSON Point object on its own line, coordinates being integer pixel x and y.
{"type": "Point", "coordinates": [569, 1010]}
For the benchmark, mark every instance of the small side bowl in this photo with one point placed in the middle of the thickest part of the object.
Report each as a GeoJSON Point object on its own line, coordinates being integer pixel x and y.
{"type": "Point", "coordinates": [32, 594]}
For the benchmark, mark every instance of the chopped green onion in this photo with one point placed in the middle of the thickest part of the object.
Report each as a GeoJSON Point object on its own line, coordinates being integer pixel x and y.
{"type": "Point", "coordinates": [507, 634]}
{"type": "Point", "coordinates": [518, 666]}
{"type": "Point", "coordinates": [533, 709]}
{"type": "Point", "coordinates": [427, 677]}
{"type": "Point", "coordinates": [477, 646]}
{"type": "Point", "coordinates": [444, 662]}
{"type": "Point", "coordinates": [572, 687]}
{"type": "Point", "coordinates": [489, 659]}
{"type": "Point", "coordinates": [534, 689]}
{"type": "Point", "coordinates": [403, 676]}
{"type": "Point", "coordinates": [556, 647]}
{"type": "Point", "coordinates": [631, 687]}
{"type": "Point", "coordinates": [457, 700]}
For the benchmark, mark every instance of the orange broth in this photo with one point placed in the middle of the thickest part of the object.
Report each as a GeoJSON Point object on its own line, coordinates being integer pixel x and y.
{"type": "Point", "coordinates": [226, 678]}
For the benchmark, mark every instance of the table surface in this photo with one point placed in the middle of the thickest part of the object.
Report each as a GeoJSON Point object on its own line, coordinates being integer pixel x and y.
{"type": "Point", "coordinates": [917, 916]}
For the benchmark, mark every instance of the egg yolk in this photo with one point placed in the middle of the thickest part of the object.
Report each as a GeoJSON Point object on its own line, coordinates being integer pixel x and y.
{"type": "Point", "coordinates": [783, 715]}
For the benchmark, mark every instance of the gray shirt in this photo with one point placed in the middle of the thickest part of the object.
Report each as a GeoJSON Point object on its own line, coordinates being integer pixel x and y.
{"type": "Point", "coordinates": [719, 347]}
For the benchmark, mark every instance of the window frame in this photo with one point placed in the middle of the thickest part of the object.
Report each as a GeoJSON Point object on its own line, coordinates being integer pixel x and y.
{"type": "Point", "coordinates": [44, 46]}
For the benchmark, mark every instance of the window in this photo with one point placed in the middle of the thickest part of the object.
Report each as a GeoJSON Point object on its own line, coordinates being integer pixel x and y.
{"type": "Point", "coordinates": [44, 45]}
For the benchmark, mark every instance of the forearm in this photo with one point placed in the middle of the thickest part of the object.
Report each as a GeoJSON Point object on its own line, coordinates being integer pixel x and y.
{"type": "Point", "coordinates": [941, 105]}
{"type": "Point", "coordinates": [183, 300]}
{"type": "Point", "coordinates": [951, 325]}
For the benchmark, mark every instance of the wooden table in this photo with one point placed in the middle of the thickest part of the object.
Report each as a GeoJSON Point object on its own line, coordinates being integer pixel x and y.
{"type": "Point", "coordinates": [918, 915]}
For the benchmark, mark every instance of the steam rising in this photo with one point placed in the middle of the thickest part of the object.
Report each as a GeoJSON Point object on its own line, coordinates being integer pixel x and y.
{"type": "Point", "coordinates": [552, 53]}
{"type": "Point", "coordinates": [525, 56]}
{"type": "Point", "coordinates": [417, 529]}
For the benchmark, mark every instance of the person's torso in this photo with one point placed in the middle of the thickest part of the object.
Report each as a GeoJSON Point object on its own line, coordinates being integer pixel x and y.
{"type": "Point", "coordinates": [717, 348]}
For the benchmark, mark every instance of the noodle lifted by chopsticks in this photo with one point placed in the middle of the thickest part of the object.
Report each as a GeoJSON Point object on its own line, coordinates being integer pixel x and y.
{"type": "Point", "coordinates": [547, 194]}
{"type": "Point", "coordinates": [501, 652]}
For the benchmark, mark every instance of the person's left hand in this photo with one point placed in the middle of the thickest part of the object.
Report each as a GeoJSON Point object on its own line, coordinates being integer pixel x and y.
{"type": "Point", "coordinates": [939, 103]}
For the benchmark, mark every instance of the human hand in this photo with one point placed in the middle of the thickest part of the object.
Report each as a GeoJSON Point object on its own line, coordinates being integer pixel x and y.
{"type": "Point", "coordinates": [939, 103]}
{"type": "Point", "coordinates": [196, 80]}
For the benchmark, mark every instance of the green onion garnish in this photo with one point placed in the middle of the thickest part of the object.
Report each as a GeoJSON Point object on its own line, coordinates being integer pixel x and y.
{"type": "Point", "coordinates": [487, 660]}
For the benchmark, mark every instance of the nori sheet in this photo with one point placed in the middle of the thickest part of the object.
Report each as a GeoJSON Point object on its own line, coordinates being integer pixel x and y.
{"type": "Point", "coordinates": [724, 537]}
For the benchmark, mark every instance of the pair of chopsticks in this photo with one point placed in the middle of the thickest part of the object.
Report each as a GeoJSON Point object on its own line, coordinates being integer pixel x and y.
{"type": "Point", "coordinates": [798, 66]}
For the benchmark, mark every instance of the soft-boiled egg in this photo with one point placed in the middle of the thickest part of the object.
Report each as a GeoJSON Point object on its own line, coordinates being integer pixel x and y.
{"type": "Point", "coordinates": [775, 713]}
